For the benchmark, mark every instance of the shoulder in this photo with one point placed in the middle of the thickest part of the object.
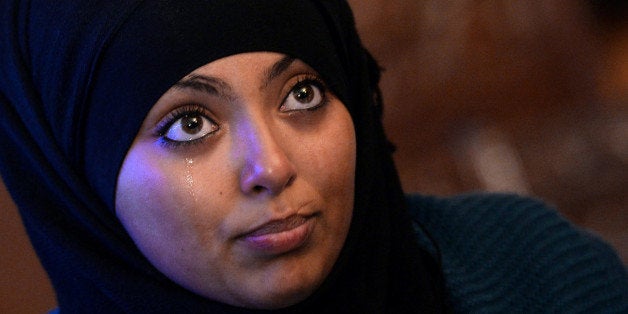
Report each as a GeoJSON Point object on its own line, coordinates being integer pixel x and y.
{"type": "Point", "coordinates": [502, 251]}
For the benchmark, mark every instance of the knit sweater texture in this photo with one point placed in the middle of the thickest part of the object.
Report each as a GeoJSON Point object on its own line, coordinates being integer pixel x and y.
{"type": "Point", "coordinates": [510, 254]}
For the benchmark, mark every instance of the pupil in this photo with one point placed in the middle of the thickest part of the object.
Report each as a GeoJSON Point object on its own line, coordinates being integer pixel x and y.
{"type": "Point", "coordinates": [191, 124]}
{"type": "Point", "coordinates": [304, 94]}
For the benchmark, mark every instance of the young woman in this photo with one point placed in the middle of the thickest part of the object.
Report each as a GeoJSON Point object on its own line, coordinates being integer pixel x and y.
{"type": "Point", "coordinates": [229, 156]}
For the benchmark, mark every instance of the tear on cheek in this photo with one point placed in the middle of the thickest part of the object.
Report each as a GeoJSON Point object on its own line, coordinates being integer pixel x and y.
{"type": "Point", "coordinates": [190, 183]}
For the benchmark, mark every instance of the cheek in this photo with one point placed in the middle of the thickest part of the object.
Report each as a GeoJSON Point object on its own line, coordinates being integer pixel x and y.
{"type": "Point", "coordinates": [330, 160]}
{"type": "Point", "coordinates": [326, 162]}
{"type": "Point", "coordinates": [156, 204]}
{"type": "Point", "coordinates": [334, 175]}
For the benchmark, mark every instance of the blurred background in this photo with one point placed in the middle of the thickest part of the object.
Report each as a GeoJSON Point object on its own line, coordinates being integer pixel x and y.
{"type": "Point", "coordinates": [522, 96]}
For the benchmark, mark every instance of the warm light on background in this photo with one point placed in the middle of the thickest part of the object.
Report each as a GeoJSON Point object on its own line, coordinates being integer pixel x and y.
{"type": "Point", "coordinates": [529, 97]}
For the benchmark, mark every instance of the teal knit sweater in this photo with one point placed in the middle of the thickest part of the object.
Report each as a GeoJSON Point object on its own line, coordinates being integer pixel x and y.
{"type": "Point", "coordinates": [508, 254]}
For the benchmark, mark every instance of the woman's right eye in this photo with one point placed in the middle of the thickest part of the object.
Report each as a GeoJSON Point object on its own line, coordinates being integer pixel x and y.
{"type": "Point", "coordinates": [189, 127]}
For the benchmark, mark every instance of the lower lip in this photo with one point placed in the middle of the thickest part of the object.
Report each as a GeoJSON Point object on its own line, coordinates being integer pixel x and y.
{"type": "Point", "coordinates": [281, 242]}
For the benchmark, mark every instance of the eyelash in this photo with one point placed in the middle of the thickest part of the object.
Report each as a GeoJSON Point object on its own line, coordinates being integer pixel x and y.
{"type": "Point", "coordinates": [308, 79]}
{"type": "Point", "coordinates": [172, 117]}
{"type": "Point", "coordinates": [193, 109]}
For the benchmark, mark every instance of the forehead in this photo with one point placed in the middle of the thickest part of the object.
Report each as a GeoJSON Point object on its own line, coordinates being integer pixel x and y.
{"type": "Point", "coordinates": [220, 77]}
{"type": "Point", "coordinates": [268, 64]}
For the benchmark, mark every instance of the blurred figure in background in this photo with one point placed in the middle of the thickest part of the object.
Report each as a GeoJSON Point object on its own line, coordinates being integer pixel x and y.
{"type": "Point", "coordinates": [509, 96]}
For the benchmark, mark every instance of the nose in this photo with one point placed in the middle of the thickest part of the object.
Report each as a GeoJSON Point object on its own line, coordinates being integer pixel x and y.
{"type": "Point", "coordinates": [267, 168]}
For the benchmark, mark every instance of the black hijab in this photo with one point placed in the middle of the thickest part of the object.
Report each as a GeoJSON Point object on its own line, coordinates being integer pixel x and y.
{"type": "Point", "coordinates": [77, 79]}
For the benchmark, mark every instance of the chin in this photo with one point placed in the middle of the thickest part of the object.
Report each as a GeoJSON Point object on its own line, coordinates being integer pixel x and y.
{"type": "Point", "coordinates": [278, 301]}
{"type": "Point", "coordinates": [279, 292]}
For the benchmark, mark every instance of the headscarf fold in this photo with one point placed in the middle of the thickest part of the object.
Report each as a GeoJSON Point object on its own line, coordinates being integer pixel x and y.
{"type": "Point", "coordinates": [77, 79]}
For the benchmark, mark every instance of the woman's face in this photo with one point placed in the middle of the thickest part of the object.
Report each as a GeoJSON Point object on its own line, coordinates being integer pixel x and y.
{"type": "Point", "coordinates": [240, 183]}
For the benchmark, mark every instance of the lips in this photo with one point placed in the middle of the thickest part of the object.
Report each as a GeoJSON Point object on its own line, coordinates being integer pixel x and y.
{"type": "Point", "coordinates": [279, 236]}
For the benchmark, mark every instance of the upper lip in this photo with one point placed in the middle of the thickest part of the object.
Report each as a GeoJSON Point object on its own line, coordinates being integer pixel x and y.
{"type": "Point", "coordinates": [277, 225]}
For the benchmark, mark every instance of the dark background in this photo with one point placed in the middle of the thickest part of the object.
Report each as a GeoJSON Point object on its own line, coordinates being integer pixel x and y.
{"type": "Point", "coordinates": [529, 97]}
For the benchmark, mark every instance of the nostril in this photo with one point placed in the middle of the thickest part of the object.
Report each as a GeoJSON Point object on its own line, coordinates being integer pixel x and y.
{"type": "Point", "coordinates": [261, 188]}
{"type": "Point", "coordinates": [290, 180]}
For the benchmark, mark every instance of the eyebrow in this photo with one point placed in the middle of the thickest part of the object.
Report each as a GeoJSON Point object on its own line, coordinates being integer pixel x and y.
{"type": "Point", "coordinates": [217, 87]}
{"type": "Point", "coordinates": [278, 68]}
{"type": "Point", "coordinates": [207, 84]}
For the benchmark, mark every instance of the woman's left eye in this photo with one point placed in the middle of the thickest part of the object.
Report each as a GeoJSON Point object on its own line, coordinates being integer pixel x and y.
{"type": "Point", "coordinates": [188, 127]}
{"type": "Point", "coordinates": [306, 95]}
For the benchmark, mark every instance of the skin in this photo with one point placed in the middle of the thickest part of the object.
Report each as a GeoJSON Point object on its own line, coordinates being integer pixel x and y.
{"type": "Point", "coordinates": [191, 206]}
